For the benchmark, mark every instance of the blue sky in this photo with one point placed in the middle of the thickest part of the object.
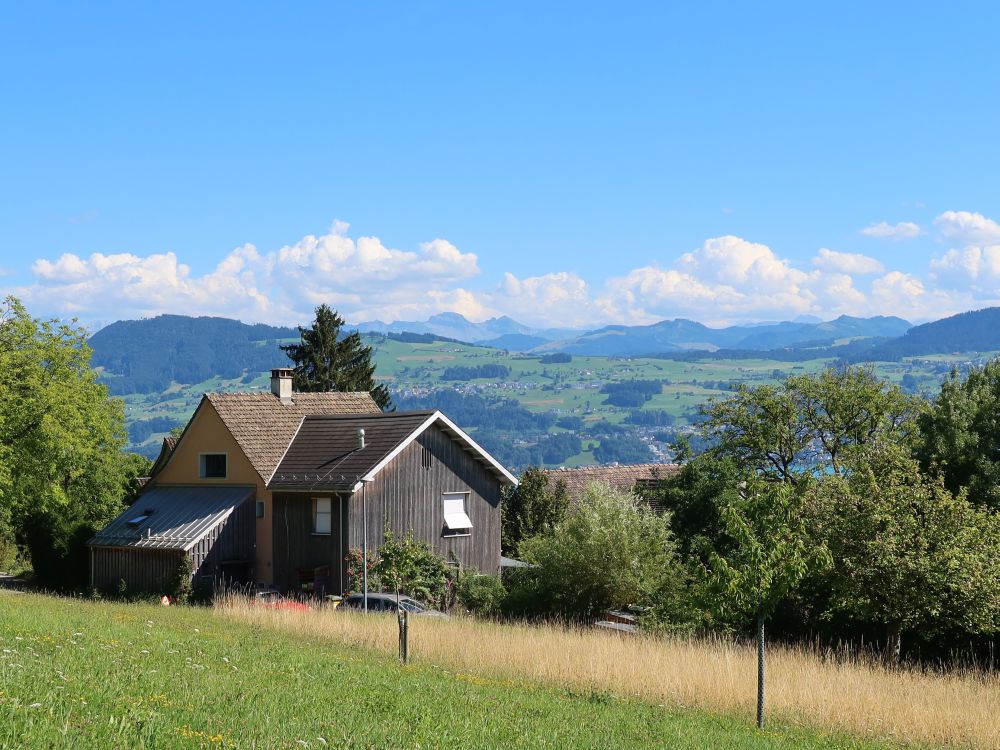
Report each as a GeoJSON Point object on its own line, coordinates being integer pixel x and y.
{"type": "Point", "coordinates": [565, 164]}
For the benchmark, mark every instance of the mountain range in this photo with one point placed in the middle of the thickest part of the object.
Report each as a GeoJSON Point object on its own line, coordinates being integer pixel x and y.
{"type": "Point", "coordinates": [493, 332]}
{"type": "Point", "coordinates": [624, 341]}
{"type": "Point", "coordinates": [143, 356]}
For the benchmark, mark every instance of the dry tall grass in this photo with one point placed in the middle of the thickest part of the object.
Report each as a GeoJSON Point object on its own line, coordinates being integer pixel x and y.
{"type": "Point", "coordinates": [858, 698]}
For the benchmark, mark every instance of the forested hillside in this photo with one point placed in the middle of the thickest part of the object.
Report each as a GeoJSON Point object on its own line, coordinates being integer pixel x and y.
{"type": "Point", "coordinates": [975, 331]}
{"type": "Point", "coordinates": [145, 356]}
{"type": "Point", "coordinates": [552, 408]}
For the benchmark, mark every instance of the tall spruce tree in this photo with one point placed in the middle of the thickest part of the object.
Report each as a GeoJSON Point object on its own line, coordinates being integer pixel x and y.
{"type": "Point", "coordinates": [326, 361]}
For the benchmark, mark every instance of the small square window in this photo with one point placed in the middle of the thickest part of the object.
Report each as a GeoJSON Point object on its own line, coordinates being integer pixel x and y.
{"type": "Point", "coordinates": [212, 465]}
{"type": "Point", "coordinates": [456, 520]}
{"type": "Point", "coordinates": [260, 509]}
{"type": "Point", "coordinates": [322, 515]}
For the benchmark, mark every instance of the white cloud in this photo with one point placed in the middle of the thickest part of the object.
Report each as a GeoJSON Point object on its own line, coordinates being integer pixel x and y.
{"type": "Point", "coordinates": [974, 266]}
{"type": "Point", "coordinates": [126, 284]}
{"type": "Point", "coordinates": [361, 276]}
{"type": "Point", "coordinates": [904, 230]}
{"type": "Point", "coordinates": [727, 279]}
{"type": "Point", "coordinates": [554, 299]}
{"type": "Point", "coordinates": [854, 263]}
{"type": "Point", "coordinates": [968, 228]}
{"type": "Point", "coordinates": [970, 263]}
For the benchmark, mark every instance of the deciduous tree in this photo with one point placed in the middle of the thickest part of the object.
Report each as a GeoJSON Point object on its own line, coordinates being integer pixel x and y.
{"type": "Point", "coordinates": [908, 554]}
{"type": "Point", "coordinates": [62, 468]}
{"type": "Point", "coordinates": [610, 550]}
{"type": "Point", "coordinates": [960, 434]}
{"type": "Point", "coordinates": [771, 553]}
{"type": "Point", "coordinates": [533, 507]}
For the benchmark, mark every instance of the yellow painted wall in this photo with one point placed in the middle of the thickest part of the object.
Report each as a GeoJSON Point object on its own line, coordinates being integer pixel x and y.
{"type": "Point", "coordinates": [207, 433]}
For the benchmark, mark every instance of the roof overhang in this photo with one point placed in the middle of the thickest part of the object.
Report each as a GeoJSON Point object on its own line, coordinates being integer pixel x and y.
{"type": "Point", "coordinates": [457, 434]}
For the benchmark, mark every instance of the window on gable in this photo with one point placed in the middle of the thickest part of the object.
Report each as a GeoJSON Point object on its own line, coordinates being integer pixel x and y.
{"type": "Point", "coordinates": [212, 466]}
{"type": "Point", "coordinates": [322, 515]}
{"type": "Point", "coordinates": [456, 519]}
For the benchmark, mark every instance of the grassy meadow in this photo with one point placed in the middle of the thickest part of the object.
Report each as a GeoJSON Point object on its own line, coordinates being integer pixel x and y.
{"type": "Point", "coordinates": [75, 673]}
{"type": "Point", "coordinates": [857, 698]}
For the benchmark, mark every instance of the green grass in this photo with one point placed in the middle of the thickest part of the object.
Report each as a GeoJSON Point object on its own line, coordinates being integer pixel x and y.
{"type": "Point", "coordinates": [75, 673]}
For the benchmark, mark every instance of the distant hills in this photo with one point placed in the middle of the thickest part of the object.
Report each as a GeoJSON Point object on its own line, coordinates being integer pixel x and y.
{"type": "Point", "coordinates": [680, 335]}
{"type": "Point", "coordinates": [629, 341]}
{"type": "Point", "coordinates": [144, 356]}
{"type": "Point", "coordinates": [974, 331]}
{"type": "Point", "coordinates": [456, 326]}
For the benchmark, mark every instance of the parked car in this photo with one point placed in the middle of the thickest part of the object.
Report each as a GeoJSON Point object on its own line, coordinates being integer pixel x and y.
{"type": "Point", "coordinates": [271, 599]}
{"type": "Point", "coordinates": [382, 602]}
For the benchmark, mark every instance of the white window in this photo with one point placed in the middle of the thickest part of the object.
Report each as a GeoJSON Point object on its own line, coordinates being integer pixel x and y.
{"type": "Point", "coordinates": [322, 515]}
{"type": "Point", "coordinates": [212, 465]}
{"type": "Point", "coordinates": [456, 520]}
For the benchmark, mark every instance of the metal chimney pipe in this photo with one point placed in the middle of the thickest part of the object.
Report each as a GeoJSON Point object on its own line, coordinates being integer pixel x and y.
{"type": "Point", "coordinates": [361, 438]}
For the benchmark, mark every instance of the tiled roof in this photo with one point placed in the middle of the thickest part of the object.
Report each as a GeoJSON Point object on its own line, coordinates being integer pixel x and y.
{"type": "Point", "coordinates": [263, 426]}
{"type": "Point", "coordinates": [166, 449]}
{"type": "Point", "coordinates": [623, 477]}
{"type": "Point", "coordinates": [171, 517]}
{"type": "Point", "coordinates": [324, 453]}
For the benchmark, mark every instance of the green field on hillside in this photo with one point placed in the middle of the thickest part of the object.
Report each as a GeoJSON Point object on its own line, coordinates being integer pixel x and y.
{"type": "Point", "coordinates": [562, 389]}
{"type": "Point", "coordinates": [81, 674]}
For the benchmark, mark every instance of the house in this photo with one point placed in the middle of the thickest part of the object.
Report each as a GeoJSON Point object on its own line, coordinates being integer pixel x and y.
{"type": "Point", "coordinates": [275, 488]}
{"type": "Point", "coordinates": [622, 477]}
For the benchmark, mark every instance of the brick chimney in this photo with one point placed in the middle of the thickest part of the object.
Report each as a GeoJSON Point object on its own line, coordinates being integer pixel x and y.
{"type": "Point", "coordinates": [281, 384]}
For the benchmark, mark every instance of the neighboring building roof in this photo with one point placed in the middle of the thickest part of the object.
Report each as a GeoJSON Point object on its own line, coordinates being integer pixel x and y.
{"type": "Point", "coordinates": [263, 426]}
{"type": "Point", "coordinates": [166, 450]}
{"type": "Point", "coordinates": [172, 518]}
{"type": "Point", "coordinates": [624, 477]}
{"type": "Point", "coordinates": [324, 453]}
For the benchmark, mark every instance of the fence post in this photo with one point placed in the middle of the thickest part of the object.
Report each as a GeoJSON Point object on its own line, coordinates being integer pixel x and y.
{"type": "Point", "coordinates": [404, 632]}
{"type": "Point", "coordinates": [760, 671]}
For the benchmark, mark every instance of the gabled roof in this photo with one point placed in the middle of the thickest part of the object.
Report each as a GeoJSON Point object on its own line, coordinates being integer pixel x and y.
{"type": "Point", "coordinates": [324, 454]}
{"type": "Point", "coordinates": [166, 451]}
{"type": "Point", "coordinates": [263, 425]}
{"type": "Point", "coordinates": [172, 518]}
{"type": "Point", "coordinates": [623, 477]}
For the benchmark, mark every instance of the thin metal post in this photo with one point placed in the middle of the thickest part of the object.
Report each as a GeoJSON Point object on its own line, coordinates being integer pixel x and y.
{"type": "Point", "coordinates": [364, 543]}
{"type": "Point", "coordinates": [404, 633]}
{"type": "Point", "coordinates": [760, 672]}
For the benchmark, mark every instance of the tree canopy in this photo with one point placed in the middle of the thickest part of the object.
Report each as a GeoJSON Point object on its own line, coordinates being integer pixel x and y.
{"type": "Point", "coordinates": [61, 438]}
{"type": "Point", "coordinates": [533, 507]}
{"type": "Point", "coordinates": [960, 434]}
{"type": "Point", "coordinates": [611, 550]}
{"type": "Point", "coordinates": [908, 554]}
{"type": "Point", "coordinates": [808, 421]}
{"type": "Point", "coordinates": [828, 463]}
{"type": "Point", "coordinates": [327, 361]}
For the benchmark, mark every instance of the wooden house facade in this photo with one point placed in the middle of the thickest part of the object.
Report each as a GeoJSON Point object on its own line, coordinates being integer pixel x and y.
{"type": "Point", "coordinates": [315, 474]}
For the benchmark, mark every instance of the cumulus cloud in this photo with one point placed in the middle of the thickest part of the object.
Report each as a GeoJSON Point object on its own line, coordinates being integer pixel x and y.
{"type": "Point", "coordinates": [562, 299]}
{"type": "Point", "coordinates": [974, 265]}
{"type": "Point", "coordinates": [360, 276]}
{"type": "Point", "coordinates": [904, 230]}
{"type": "Point", "coordinates": [968, 228]}
{"type": "Point", "coordinates": [852, 263]}
{"type": "Point", "coordinates": [726, 279]}
{"type": "Point", "coordinates": [153, 284]}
